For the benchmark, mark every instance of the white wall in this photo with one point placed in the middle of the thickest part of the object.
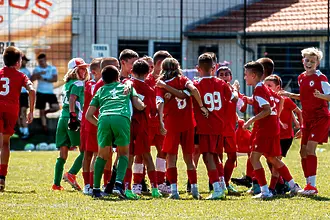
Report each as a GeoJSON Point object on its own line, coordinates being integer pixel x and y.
{"type": "Point", "coordinates": [157, 20]}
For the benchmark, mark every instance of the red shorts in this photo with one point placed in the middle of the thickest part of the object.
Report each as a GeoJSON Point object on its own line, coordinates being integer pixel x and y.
{"type": "Point", "coordinates": [7, 123]}
{"type": "Point", "coordinates": [316, 130]}
{"type": "Point", "coordinates": [88, 141]}
{"type": "Point", "coordinates": [229, 144]}
{"type": "Point", "coordinates": [268, 146]}
{"type": "Point", "coordinates": [210, 143]}
{"type": "Point", "coordinates": [139, 139]}
{"type": "Point", "coordinates": [155, 138]}
{"type": "Point", "coordinates": [185, 139]}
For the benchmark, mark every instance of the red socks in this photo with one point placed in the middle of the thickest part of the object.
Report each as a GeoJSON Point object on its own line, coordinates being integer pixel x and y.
{"type": "Point", "coordinates": [229, 167]}
{"type": "Point", "coordinates": [213, 176]}
{"type": "Point", "coordinates": [86, 177]}
{"type": "Point", "coordinates": [285, 173]}
{"type": "Point", "coordinates": [311, 161]}
{"type": "Point", "coordinates": [192, 176]}
{"type": "Point", "coordinates": [3, 169]}
{"type": "Point", "coordinates": [260, 176]}
{"type": "Point", "coordinates": [172, 175]}
{"type": "Point", "coordinates": [273, 182]}
{"type": "Point", "coordinates": [128, 179]}
{"type": "Point", "coordinates": [153, 178]}
{"type": "Point", "coordinates": [106, 176]}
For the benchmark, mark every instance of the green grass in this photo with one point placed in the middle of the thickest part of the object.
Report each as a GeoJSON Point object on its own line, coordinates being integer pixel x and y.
{"type": "Point", "coordinates": [30, 176]}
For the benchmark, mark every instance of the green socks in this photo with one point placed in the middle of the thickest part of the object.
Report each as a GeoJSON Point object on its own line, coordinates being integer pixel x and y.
{"type": "Point", "coordinates": [98, 171]}
{"type": "Point", "coordinates": [121, 168]}
{"type": "Point", "coordinates": [77, 164]}
{"type": "Point", "coordinates": [59, 167]}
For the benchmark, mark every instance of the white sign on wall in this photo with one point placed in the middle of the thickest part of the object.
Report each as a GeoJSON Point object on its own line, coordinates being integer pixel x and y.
{"type": "Point", "coordinates": [100, 50]}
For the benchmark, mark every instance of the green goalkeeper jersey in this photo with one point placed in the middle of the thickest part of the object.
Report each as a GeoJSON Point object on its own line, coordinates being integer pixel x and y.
{"type": "Point", "coordinates": [111, 100]}
{"type": "Point", "coordinates": [73, 87]}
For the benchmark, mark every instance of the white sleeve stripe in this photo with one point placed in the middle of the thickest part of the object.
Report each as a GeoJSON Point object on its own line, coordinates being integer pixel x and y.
{"type": "Point", "coordinates": [261, 101]}
{"type": "Point", "coordinates": [187, 92]}
{"type": "Point", "coordinates": [325, 87]}
{"type": "Point", "coordinates": [159, 99]}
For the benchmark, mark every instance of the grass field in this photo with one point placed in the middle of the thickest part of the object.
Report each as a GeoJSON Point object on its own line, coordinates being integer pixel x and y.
{"type": "Point", "coordinates": [30, 176]}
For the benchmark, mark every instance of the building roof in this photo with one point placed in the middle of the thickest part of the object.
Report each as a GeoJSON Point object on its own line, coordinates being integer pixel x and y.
{"type": "Point", "coordinates": [266, 17]}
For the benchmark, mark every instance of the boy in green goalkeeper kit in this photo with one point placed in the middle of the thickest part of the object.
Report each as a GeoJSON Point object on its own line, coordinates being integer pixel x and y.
{"type": "Point", "coordinates": [113, 125]}
{"type": "Point", "coordinates": [67, 132]}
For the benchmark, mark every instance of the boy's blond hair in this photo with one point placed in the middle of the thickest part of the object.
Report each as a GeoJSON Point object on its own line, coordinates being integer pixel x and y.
{"type": "Point", "coordinates": [73, 74]}
{"type": "Point", "coordinates": [312, 51]}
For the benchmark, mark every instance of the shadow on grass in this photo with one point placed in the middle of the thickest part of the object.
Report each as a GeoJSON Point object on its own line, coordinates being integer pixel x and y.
{"type": "Point", "coordinates": [318, 198]}
{"type": "Point", "coordinates": [20, 192]}
{"type": "Point", "coordinates": [116, 199]}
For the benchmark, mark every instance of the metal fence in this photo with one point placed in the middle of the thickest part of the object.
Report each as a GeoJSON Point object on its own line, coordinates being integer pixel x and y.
{"type": "Point", "coordinates": [236, 30]}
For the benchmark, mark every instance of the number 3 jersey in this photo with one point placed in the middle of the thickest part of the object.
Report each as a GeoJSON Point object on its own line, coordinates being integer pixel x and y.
{"type": "Point", "coordinates": [178, 113]}
{"type": "Point", "coordinates": [268, 126]}
{"type": "Point", "coordinates": [216, 95]}
{"type": "Point", "coordinates": [11, 83]}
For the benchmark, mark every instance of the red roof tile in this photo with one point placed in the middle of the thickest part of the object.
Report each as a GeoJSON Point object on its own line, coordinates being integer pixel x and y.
{"type": "Point", "coordinates": [269, 16]}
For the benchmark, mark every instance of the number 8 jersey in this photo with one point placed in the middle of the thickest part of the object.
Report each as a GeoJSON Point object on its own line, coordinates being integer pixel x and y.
{"type": "Point", "coordinates": [216, 95]}
{"type": "Point", "coordinates": [178, 113]}
{"type": "Point", "coordinates": [11, 83]}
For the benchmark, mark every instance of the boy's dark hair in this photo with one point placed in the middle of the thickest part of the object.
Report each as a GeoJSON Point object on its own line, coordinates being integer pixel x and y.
{"type": "Point", "coordinates": [256, 68]}
{"type": "Point", "coordinates": [275, 79]}
{"type": "Point", "coordinates": [110, 74]}
{"type": "Point", "coordinates": [108, 61]}
{"type": "Point", "coordinates": [205, 62]}
{"type": "Point", "coordinates": [213, 56]}
{"type": "Point", "coordinates": [95, 64]}
{"type": "Point", "coordinates": [268, 65]}
{"type": "Point", "coordinates": [140, 67]}
{"type": "Point", "coordinates": [224, 68]}
{"type": "Point", "coordinates": [11, 56]}
{"type": "Point", "coordinates": [161, 55]}
{"type": "Point", "coordinates": [41, 56]}
{"type": "Point", "coordinates": [128, 54]}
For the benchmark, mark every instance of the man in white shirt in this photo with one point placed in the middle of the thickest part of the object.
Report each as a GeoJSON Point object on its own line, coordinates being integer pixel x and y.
{"type": "Point", "coordinates": [46, 76]}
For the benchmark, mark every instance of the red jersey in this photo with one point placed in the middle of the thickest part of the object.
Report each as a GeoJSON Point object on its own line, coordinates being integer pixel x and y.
{"type": "Point", "coordinates": [286, 118]}
{"type": "Point", "coordinates": [178, 113]}
{"type": "Point", "coordinates": [151, 80]}
{"type": "Point", "coordinates": [147, 95]}
{"type": "Point", "coordinates": [312, 107]}
{"type": "Point", "coordinates": [11, 83]}
{"type": "Point", "coordinates": [216, 95]}
{"type": "Point", "coordinates": [88, 96]}
{"type": "Point", "coordinates": [268, 126]}
{"type": "Point", "coordinates": [277, 99]}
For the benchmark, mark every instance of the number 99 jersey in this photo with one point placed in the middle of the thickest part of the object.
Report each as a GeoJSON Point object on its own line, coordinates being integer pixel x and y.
{"type": "Point", "coordinates": [11, 83]}
{"type": "Point", "coordinates": [216, 95]}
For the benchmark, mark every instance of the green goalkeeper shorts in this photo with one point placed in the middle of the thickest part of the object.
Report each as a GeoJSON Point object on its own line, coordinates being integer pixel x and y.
{"type": "Point", "coordinates": [65, 137]}
{"type": "Point", "coordinates": [113, 129]}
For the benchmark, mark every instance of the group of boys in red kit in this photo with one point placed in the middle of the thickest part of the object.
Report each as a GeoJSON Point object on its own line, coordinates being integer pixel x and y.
{"type": "Point", "coordinates": [175, 105]}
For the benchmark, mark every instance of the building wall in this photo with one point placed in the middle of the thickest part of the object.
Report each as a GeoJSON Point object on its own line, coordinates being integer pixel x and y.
{"type": "Point", "coordinates": [153, 20]}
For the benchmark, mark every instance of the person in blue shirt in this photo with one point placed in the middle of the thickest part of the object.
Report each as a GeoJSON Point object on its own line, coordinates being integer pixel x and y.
{"type": "Point", "coordinates": [24, 102]}
{"type": "Point", "coordinates": [46, 75]}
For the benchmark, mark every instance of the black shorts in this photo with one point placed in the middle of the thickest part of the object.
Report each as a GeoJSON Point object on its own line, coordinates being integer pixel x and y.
{"type": "Point", "coordinates": [24, 100]}
{"type": "Point", "coordinates": [196, 137]}
{"type": "Point", "coordinates": [285, 145]}
{"type": "Point", "coordinates": [42, 99]}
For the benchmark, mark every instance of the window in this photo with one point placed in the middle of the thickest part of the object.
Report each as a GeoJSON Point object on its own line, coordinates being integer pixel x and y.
{"type": "Point", "coordinates": [287, 59]}
{"type": "Point", "coordinates": [139, 46]}
{"type": "Point", "coordinates": [173, 48]}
